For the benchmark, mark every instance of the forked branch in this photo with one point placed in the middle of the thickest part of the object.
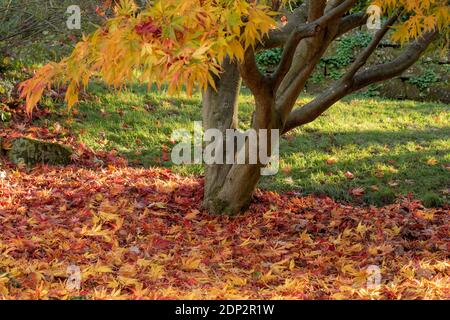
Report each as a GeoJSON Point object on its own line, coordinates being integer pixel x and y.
{"type": "Point", "coordinates": [373, 74]}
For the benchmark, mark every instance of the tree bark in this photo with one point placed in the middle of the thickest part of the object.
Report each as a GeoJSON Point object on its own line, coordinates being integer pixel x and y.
{"type": "Point", "coordinates": [228, 187]}
{"type": "Point", "coordinates": [235, 195]}
{"type": "Point", "coordinates": [220, 111]}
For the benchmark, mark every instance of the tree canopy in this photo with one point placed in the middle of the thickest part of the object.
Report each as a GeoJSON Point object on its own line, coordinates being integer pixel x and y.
{"type": "Point", "coordinates": [182, 43]}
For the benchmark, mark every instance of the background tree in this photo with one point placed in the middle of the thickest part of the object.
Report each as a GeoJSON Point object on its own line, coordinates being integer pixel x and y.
{"type": "Point", "coordinates": [210, 45]}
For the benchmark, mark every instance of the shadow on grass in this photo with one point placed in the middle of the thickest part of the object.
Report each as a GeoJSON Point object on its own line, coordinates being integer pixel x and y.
{"type": "Point", "coordinates": [387, 162]}
{"type": "Point", "coordinates": [382, 163]}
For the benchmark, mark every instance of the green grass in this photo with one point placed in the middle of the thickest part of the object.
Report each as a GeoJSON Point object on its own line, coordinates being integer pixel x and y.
{"type": "Point", "coordinates": [393, 148]}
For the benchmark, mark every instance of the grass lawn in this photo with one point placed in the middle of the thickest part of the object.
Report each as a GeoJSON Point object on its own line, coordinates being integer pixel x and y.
{"type": "Point", "coordinates": [387, 148]}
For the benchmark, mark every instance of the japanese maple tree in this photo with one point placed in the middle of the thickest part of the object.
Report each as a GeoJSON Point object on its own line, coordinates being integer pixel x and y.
{"type": "Point", "coordinates": [210, 45]}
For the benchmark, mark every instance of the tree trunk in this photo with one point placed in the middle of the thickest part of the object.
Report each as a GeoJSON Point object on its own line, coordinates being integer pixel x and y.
{"type": "Point", "coordinates": [228, 188]}
{"type": "Point", "coordinates": [235, 194]}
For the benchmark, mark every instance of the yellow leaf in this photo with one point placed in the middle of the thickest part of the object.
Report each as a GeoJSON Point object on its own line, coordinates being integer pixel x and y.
{"type": "Point", "coordinates": [305, 237]}
{"type": "Point", "coordinates": [292, 265]}
{"type": "Point", "coordinates": [192, 214]}
{"type": "Point", "coordinates": [236, 280]}
{"type": "Point", "coordinates": [190, 263]}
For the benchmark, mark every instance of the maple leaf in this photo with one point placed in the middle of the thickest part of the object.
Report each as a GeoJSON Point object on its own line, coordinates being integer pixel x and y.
{"type": "Point", "coordinates": [432, 162]}
{"type": "Point", "coordinates": [190, 263]}
{"type": "Point", "coordinates": [357, 192]}
{"type": "Point", "coordinates": [236, 280]}
{"type": "Point", "coordinates": [331, 161]}
{"type": "Point", "coordinates": [305, 237]}
{"type": "Point", "coordinates": [361, 229]}
{"type": "Point", "coordinates": [349, 175]}
{"type": "Point", "coordinates": [192, 215]}
{"type": "Point", "coordinates": [6, 145]}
